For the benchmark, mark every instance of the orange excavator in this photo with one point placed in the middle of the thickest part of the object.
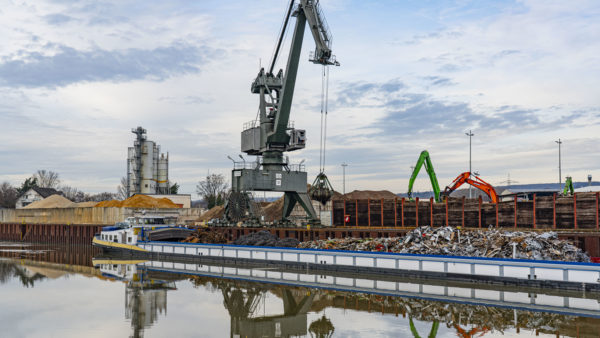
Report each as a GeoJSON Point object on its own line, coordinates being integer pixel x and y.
{"type": "Point", "coordinates": [474, 181]}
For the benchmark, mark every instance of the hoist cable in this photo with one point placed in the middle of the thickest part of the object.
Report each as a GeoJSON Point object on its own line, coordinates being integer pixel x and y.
{"type": "Point", "coordinates": [326, 108]}
{"type": "Point", "coordinates": [322, 108]}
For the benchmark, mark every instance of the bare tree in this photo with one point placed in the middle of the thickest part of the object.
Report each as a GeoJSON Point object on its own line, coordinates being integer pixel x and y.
{"type": "Point", "coordinates": [72, 193]}
{"type": "Point", "coordinates": [122, 189]}
{"type": "Point", "coordinates": [103, 196]}
{"type": "Point", "coordinates": [46, 178]}
{"type": "Point", "coordinates": [8, 195]}
{"type": "Point", "coordinates": [213, 189]}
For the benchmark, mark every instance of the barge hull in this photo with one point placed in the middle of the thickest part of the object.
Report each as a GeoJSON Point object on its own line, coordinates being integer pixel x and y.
{"type": "Point", "coordinates": [543, 274]}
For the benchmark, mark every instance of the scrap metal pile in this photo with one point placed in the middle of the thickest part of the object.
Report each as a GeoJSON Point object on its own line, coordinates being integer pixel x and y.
{"type": "Point", "coordinates": [455, 242]}
{"type": "Point", "coordinates": [265, 238]}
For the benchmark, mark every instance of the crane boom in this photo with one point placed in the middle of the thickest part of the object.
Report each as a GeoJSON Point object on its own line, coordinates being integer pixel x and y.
{"type": "Point", "coordinates": [425, 160]}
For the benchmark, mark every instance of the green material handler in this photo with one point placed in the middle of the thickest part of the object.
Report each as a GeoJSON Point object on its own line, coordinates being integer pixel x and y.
{"type": "Point", "coordinates": [425, 160]}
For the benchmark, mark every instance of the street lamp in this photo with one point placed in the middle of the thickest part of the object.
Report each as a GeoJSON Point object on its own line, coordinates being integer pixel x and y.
{"type": "Point", "coordinates": [559, 142]}
{"type": "Point", "coordinates": [344, 165]}
{"type": "Point", "coordinates": [470, 134]}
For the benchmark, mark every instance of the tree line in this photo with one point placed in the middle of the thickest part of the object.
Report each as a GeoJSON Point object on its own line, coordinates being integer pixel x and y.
{"type": "Point", "coordinates": [213, 189]}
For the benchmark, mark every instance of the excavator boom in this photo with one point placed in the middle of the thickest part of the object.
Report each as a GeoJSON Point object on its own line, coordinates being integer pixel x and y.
{"type": "Point", "coordinates": [568, 190]}
{"type": "Point", "coordinates": [477, 183]}
{"type": "Point", "coordinates": [425, 160]}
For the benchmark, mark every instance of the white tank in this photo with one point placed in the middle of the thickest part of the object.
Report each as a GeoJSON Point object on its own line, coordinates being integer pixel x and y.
{"type": "Point", "coordinates": [147, 169]}
{"type": "Point", "coordinates": [163, 174]}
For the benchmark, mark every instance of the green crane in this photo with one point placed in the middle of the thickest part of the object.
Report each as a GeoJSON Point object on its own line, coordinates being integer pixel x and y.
{"type": "Point", "coordinates": [569, 190]}
{"type": "Point", "coordinates": [425, 160]}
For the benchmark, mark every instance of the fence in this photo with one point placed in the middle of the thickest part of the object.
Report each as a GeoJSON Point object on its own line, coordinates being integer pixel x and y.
{"type": "Point", "coordinates": [545, 212]}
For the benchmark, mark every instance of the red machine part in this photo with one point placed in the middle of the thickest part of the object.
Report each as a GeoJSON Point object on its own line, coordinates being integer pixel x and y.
{"type": "Point", "coordinates": [471, 333]}
{"type": "Point", "coordinates": [474, 181]}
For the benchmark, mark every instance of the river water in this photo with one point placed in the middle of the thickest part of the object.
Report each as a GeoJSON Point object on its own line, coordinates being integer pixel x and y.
{"type": "Point", "coordinates": [56, 291]}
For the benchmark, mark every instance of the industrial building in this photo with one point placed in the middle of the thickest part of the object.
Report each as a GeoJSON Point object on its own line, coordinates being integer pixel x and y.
{"type": "Point", "coordinates": [147, 167]}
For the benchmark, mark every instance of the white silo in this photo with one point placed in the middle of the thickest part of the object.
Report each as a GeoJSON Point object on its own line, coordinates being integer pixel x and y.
{"type": "Point", "coordinates": [147, 169]}
{"type": "Point", "coordinates": [163, 174]}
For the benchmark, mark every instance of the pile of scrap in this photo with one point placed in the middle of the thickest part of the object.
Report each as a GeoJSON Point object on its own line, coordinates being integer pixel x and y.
{"type": "Point", "coordinates": [449, 241]}
{"type": "Point", "coordinates": [265, 238]}
{"type": "Point", "coordinates": [206, 236]}
{"type": "Point", "coordinates": [139, 201]}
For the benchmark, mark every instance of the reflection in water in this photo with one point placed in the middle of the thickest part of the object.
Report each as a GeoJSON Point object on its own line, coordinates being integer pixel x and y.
{"type": "Point", "coordinates": [145, 297]}
{"type": "Point", "coordinates": [241, 299]}
{"type": "Point", "coordinates": [9, 270]}
{"type": "Point", "coordinates": [295, 309]}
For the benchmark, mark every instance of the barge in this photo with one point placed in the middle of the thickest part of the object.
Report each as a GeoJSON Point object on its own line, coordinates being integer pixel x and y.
{"type": "Point", "coordinates": [535, 273]}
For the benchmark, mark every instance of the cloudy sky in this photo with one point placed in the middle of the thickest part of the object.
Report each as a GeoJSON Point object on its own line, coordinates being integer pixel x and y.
{"type": "Point", "coordinates": [76, 76]}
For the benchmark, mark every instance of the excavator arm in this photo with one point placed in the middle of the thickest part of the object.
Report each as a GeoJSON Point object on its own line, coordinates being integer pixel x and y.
{"type": "Point", "coordinates": [425, 160]}
{"type": "Point", "coordinates": [568, 190]}
{"type": "Point", "coordinates": [477, 183]}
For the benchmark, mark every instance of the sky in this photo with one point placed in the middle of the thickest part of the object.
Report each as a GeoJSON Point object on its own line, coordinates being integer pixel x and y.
{"type": "Point", "coordinates": [77, 76]}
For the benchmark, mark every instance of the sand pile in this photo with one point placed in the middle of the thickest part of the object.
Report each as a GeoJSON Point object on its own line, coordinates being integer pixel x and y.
{"type": "Point", "coordinates": [367, 194]}
{"type": "Point", "coordinates": [273, 210]}
{"type": "Point", "coordinates": [54, 201]}
{"type": "Point", "coordinates": [215, 212]}
{"type": "Point", "coordinates": [139, 201]}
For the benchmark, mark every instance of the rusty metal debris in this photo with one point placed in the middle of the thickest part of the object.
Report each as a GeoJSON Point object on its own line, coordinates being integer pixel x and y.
{"type": "Point", "coordinates": [450, 241]}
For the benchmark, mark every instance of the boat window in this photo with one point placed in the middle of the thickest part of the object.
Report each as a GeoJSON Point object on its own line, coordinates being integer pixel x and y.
{"type": "Point", "coordinates": [129, 239]}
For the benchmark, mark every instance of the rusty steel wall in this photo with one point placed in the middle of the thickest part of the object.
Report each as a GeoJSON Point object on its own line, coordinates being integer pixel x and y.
{"type": "Point", "coordinates": [580, 211]}
{"type": "Point", "coordinates": [49, 233]}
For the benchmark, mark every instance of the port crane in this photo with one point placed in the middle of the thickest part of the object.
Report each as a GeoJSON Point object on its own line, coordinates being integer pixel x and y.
{"type": "Point", "coordinates": [425, 161]}
{"type": "Point", "coordinates": [271, 134]}
{"type": "Point", "coordinates": [476, 182]}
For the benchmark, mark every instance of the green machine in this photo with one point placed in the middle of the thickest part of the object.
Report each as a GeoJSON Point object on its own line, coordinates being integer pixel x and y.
{"type": "Point", "coordinates": [568, 190]}
{"type": "Point", "coordinates": [425, 160]}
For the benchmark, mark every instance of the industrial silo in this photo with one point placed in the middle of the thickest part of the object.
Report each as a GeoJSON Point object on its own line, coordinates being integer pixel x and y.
{"type": "Point", "coordinates": [148, 184]}
{"type": "Point", "coordinates": [163, 174]}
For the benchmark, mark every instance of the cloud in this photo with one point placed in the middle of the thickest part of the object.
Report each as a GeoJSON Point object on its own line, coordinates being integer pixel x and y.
{"type": "Point", "coordinates": [408, 113]}
{"type": "Point", "coordinates": [68, 65]}
{"type": "Point", "coordinates": [57, 19]}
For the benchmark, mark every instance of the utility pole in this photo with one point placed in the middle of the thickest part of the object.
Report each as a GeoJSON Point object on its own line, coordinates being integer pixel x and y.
{"type": "Point", "coordinates": [559, 142]}
{"type": "Point", "coordinates": [344, 165]}
{"type": "Point", "coordinates": [470, 134]}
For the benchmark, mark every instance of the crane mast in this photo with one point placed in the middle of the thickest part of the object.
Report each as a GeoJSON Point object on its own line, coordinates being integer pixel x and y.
{"type": "Point", "coordinates": [272, 134]}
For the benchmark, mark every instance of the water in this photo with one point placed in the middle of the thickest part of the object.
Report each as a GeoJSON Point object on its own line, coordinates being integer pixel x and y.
{"type": "Point", "coordinates": [53, 291]}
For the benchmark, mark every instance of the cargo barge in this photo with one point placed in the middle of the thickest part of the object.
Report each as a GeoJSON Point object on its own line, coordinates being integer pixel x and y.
{"type": "Point", "coordinates": [536, 273]}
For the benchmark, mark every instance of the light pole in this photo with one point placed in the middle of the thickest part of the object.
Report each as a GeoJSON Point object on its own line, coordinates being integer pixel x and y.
{"type": "Point", "coordinates": [470, 134]}
{"type": "Point", "coordinates": [559, 142]}
{"type": "Point", "coordinates": [344, 165]}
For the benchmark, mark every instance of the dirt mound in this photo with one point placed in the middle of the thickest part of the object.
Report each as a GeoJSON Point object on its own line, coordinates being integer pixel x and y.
{"type": "Point", "coordinates": [215, 212]}
{"type": "Point", "coordinates": [273, 210]}
{"type": "Point", "coordinates": [54, 201]}
{"type": "Point", "coordinates": [139, 201]}
{"type": "Point", "coordinates": [265, 238]}
{"type": "Point", "coordinates": [367, 194]}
